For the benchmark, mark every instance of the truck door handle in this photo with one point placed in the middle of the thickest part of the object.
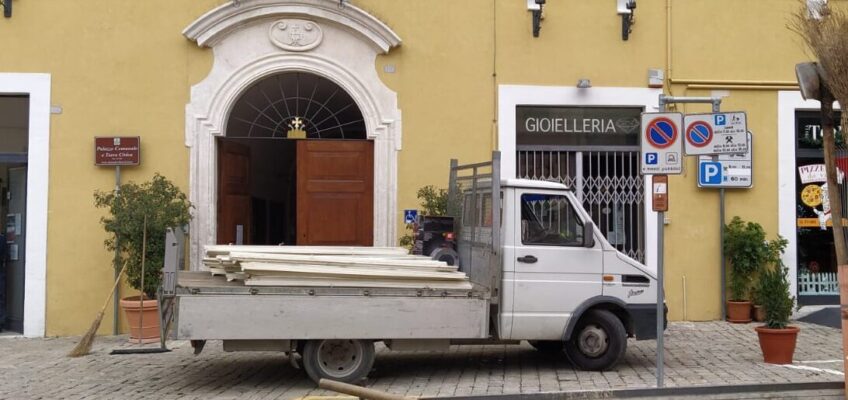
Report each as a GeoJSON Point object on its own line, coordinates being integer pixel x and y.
{"type": "Point", "coordinates": [528, 259]}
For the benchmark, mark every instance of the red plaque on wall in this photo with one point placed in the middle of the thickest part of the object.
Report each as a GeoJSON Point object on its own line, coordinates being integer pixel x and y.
{"type": "Point", "coordinates": [117, 150]}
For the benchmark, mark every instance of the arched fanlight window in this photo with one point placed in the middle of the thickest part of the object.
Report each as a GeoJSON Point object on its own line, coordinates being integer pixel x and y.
{"type": "Point", "coordinates": [296, 105]}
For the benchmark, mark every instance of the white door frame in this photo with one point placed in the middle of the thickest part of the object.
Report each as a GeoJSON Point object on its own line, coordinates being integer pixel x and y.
{"type": "Point", "coordinates": [246, 43]}
{"type": "Point", "coordinates": [788, 102]}
{"type": "Point", "coordinates": [510, 96]}
{"type": "Point", "coordinates": [37, 87]}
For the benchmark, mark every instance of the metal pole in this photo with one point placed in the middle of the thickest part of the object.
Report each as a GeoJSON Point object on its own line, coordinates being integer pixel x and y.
{"type": "Point", "coordinates": [660, 285]}
{"type": "Point", "coordinates": [660, 300]}
{"type": "Point", "coordinates": [723, 261]}
{"type": "Point", "coordinates": [117, 296]}
{"type": "Point", "coordinates": [717, 108]}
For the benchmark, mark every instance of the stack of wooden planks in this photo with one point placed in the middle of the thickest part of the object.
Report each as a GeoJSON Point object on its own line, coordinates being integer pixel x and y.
{"type": "Point", "coordinates": [383, 267]}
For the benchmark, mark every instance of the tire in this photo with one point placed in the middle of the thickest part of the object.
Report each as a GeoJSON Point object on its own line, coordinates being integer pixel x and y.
{"type": "Point", "coordinates": [598, 342]}
{"type": "Point", "coordinates": [549, 347]}
{"type": "Point", "coordinates": [343, 360]}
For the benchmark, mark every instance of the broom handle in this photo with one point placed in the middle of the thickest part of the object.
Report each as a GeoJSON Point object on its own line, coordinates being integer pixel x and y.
{"type": "Point", "coordinates": [117, 281]}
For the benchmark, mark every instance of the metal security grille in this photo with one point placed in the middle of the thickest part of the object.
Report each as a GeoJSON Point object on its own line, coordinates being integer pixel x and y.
{"type": "Point", "coordinates": [606, 182]}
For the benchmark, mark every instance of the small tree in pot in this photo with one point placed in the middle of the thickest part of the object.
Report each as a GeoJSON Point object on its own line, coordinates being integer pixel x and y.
{"type": "Point", "coordinates": [777, 338]}
{"type": "Point", "coordinates": [746, 248]}
{"type": "Point", "coordinates": [153, 207]}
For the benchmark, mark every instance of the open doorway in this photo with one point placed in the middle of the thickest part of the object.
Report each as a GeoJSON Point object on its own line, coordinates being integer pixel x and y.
{"type": "Point", "coordinates": [14, 138]}
{"type": "Point", "coordinates": [295, 167]}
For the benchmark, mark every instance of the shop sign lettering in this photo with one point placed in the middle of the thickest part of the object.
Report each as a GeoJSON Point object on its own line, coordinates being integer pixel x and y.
{"type": "Point", "coordinates": [577, 126]}
{"type": "Point", "coordinates": [812, 173]}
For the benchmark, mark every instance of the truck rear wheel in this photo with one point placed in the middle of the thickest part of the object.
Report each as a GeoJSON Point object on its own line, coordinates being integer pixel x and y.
{"type": "Point", "coordinates": [598, 342]}
{"type": "Point", "coordinates": [343, 360]}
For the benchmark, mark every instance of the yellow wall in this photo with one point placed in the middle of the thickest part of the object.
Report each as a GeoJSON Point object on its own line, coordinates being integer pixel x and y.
{"type": "Point", "coordinates": [123, 68]}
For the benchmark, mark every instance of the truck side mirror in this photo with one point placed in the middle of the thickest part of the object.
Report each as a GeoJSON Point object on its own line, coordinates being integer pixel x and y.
{"type": "Point", "coordinates": [589, 234]}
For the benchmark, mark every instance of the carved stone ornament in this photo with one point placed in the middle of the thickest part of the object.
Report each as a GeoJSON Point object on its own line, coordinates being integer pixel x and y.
{"type": "Point", "coordinates": [296, 34]}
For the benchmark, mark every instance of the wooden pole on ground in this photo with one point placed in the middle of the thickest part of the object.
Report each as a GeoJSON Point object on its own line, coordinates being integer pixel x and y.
{"type": "Point", "coordinates": [359, 391]}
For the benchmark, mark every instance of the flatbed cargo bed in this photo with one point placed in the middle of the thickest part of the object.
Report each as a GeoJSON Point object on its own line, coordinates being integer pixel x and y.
{"type": "Point", "coordinates": [209, 307]}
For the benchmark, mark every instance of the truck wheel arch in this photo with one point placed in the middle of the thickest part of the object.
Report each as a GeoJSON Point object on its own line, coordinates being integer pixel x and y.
{"type": "Point", "coordinates": [611, 304]}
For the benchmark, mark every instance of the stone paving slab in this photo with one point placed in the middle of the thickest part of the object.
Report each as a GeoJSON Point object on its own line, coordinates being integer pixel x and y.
{"type": "Point", "coordinates": [697, 354]}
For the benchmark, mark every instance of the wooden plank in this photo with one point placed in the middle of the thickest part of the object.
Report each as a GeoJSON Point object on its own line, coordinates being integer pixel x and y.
{"type": "Point", "coordinates": [255, 268]}
{"type": "Point", "coordinates": [341, 261]}
{"type": "Point", "coordinates": [326, 250]}
{"type": "Point", "coordinates": [335, 282]}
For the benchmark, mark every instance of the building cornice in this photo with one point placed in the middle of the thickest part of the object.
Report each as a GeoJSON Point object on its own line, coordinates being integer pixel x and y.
{"type": "Point", "coordinates": [213, 26]}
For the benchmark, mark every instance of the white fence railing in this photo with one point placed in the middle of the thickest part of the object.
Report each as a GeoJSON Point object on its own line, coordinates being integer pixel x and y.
{"type": "Point", "coordinates": [817, 283]}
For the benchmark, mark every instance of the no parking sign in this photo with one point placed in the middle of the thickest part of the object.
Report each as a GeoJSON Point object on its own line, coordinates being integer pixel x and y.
{"type": "Point", "coordinates": [661, 144]}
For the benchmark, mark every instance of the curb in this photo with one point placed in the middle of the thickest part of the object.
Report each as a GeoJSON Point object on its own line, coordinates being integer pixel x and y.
{"type": "Point", "coordinates": [661, 392]}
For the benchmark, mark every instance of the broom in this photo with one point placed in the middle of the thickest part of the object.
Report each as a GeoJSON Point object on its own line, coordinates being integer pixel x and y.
{"type": "Point", "coordinates": [84, 346]}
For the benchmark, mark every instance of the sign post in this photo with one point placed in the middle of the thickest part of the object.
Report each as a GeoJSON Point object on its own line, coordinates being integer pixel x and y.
{"type": "Point", "coordinates": [661, 148]}
{"type": "Point", "coordinates": [117, 151]}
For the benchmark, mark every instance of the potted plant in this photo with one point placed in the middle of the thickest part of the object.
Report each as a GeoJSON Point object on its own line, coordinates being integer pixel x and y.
{"type": "Point", "coordinates": [138, 216]}
{"type": "Point", "coordinates": [759, 313]}
{"type": "Point", "coordinates": [777, 337]}
{"type": "Point", "coordinates": [746, 248]}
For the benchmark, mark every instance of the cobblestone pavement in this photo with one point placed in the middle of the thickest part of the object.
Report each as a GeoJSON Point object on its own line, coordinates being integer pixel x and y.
{"type": "Point", "coordinates": [708, 353]}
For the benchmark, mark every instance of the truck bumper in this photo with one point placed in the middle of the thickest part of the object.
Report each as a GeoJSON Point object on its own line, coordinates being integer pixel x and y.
{"type": "Point", "coordinates": [644, 320]}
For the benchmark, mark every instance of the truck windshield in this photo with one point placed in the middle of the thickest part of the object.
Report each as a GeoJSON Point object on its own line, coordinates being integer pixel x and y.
{"type": "Point", "coordinates": [549, 220]}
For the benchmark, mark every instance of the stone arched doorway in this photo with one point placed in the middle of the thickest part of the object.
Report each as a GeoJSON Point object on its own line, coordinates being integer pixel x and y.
{"type": "Point", "coordinates": [256, 39]}
{"type": "Point", "coordinates": [295, 166]}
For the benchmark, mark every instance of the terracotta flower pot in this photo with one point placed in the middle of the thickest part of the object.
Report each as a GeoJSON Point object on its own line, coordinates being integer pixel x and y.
{"type": "Point", "coordinates": [739, 312]}
{"type": "Point", "coordinates": [759, 313]}
{"type": "Point", "coordinates": [778, 345]}
{"type": "Point", "coordinates": [149, 332]}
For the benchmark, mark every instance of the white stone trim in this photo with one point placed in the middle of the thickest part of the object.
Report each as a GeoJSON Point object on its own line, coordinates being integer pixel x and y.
{"type": "Point", "coordinates": [244, 54]}
{"type": "Point", "coordinates": [788, 102]}
{"type": "Point", "coordinates": [510, 96]}
{"type": "Point", "coordinates": [215, 25]}
{"type": "Point", "coordinates": [37, 87]}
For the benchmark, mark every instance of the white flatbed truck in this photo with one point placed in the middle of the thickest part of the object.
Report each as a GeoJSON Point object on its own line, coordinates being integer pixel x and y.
{"type": "Point", "coordinates": [539, 269]}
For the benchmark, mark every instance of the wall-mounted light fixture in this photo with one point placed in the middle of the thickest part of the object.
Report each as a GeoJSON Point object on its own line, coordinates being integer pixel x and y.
{"type": "Point", "coordinates": [627, 10]}
{"type": "Point", "coordinates": [7, 8]}
{"type": "Point", "coordinates": [584, 83]}
{"type": "Point", "coordinates": [536, 9]}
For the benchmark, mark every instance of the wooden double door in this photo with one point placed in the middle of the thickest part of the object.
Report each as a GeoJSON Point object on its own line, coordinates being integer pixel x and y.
{"type": "Point", "coordinates": [334, 193]}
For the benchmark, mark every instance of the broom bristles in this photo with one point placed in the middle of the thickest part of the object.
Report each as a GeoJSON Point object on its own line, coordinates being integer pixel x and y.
{"type": "Point", "coordinates": [84, 346]}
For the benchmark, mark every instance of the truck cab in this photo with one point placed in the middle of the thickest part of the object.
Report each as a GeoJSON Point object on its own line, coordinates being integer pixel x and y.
{"type": "Point", "coordinates": [555, 280]}
{"type": "Point", "coordinates": [563, 284]}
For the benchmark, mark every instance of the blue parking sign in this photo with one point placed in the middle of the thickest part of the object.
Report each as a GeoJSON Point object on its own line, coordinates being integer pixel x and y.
{"type": "Point", "coordinates": [720, 120]}
{"type": "Point", "coordinates": [709, 173]}
{"type": "Point", "coordinates": [651, 158]}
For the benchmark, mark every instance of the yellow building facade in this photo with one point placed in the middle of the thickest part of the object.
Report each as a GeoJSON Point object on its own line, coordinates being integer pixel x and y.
{"type": "Point", "coordinates": [431, 81]}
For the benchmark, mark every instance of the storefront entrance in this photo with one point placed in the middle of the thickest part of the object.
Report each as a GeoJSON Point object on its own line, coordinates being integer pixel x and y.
{"type": "Point", "coordinates": [295, 167]}
{"type": "Point", "coordinates": [14, 114]}
{"type": "Point", "coordinates": [817, 267]}
{"type": "Point", "coordinates": [595, 151]}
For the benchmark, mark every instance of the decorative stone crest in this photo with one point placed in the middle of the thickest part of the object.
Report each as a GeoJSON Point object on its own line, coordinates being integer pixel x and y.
{"type": "Point", "coordinates": [296, 34]}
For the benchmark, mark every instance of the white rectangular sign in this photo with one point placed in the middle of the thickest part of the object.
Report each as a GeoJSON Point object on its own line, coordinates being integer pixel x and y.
{"type": "Point", "coordinates": [716, 133]}
{"type": "Point", "coordinates": [727, 170]}
{"type": "Point", "coordinates": [661, 144]}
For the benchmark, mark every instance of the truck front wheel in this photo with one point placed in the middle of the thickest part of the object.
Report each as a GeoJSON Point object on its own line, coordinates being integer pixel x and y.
{"type": "Point", "coordinates": [343, 360]}
{"type": "Point", "coordinates": [599, 341]}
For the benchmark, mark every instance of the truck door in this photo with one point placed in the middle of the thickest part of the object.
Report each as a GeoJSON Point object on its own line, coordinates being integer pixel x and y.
{"type": "Point", "coordinates": [554, 270]}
